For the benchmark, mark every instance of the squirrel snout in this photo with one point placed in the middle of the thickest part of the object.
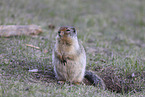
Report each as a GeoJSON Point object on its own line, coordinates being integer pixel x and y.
{"type": "Point", "coordinates": [60, 33]}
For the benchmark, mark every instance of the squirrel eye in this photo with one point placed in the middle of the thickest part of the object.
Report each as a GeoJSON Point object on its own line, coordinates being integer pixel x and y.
{"type": "Point", "coordinates": [67, 30]}
{"type": "Point", "coordinates": [74, 30]}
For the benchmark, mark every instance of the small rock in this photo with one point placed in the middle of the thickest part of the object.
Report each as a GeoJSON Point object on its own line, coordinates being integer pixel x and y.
{"type": "Point", "coordinates": [133, 75]}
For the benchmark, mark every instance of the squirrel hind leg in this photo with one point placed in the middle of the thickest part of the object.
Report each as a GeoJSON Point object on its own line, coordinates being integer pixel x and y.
{"type": "Point", "coordinates": [61, 82]}
{"type": "Point", "coordinates": [70, 83]}
{"type": "Point", "coordinates": [77, 83]}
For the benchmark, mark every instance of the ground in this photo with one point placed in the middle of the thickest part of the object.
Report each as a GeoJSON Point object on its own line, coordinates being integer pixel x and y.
{"type": "Point", "coordinates": [112, 32]}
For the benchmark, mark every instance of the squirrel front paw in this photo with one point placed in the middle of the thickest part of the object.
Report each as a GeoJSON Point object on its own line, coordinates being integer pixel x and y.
{"type": "Point", "coordinates": [64, 59]}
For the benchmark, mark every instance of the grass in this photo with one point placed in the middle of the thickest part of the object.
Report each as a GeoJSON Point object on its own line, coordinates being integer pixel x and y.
{"type": "Point", "coordinates": [112, 32]}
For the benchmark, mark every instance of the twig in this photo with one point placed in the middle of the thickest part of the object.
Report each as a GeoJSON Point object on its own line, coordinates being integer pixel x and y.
{"type": "Point", "coordinates": [32, 46]}
{"type": "Point", "coordinates": [33, 70]}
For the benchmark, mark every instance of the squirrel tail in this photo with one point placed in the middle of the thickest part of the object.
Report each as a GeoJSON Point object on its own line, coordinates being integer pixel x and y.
{"type": "Point", "coordinates": [95, 79]}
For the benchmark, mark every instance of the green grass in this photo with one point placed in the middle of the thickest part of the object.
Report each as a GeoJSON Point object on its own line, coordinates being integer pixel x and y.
{"type": "Point", "coordinates": [111, 30]}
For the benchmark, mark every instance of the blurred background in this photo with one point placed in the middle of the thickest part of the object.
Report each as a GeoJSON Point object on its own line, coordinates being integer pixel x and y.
{"type": "Point", "coordinates": [95, 14]}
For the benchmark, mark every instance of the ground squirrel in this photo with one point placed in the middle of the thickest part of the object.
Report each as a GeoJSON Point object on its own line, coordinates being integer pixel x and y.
{"type": "Point", "coordinates": [69, 57]}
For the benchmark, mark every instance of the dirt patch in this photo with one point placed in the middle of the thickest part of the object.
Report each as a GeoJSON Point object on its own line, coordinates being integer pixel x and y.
{"type": "Point", "coordinates": [121, 83]}
{"type": "Point", "coordinates": [114, 83]}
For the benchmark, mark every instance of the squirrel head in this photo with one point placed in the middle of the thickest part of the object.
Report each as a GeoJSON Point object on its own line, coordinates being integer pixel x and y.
{"type": "Point", "coordinates": [67, 31]}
